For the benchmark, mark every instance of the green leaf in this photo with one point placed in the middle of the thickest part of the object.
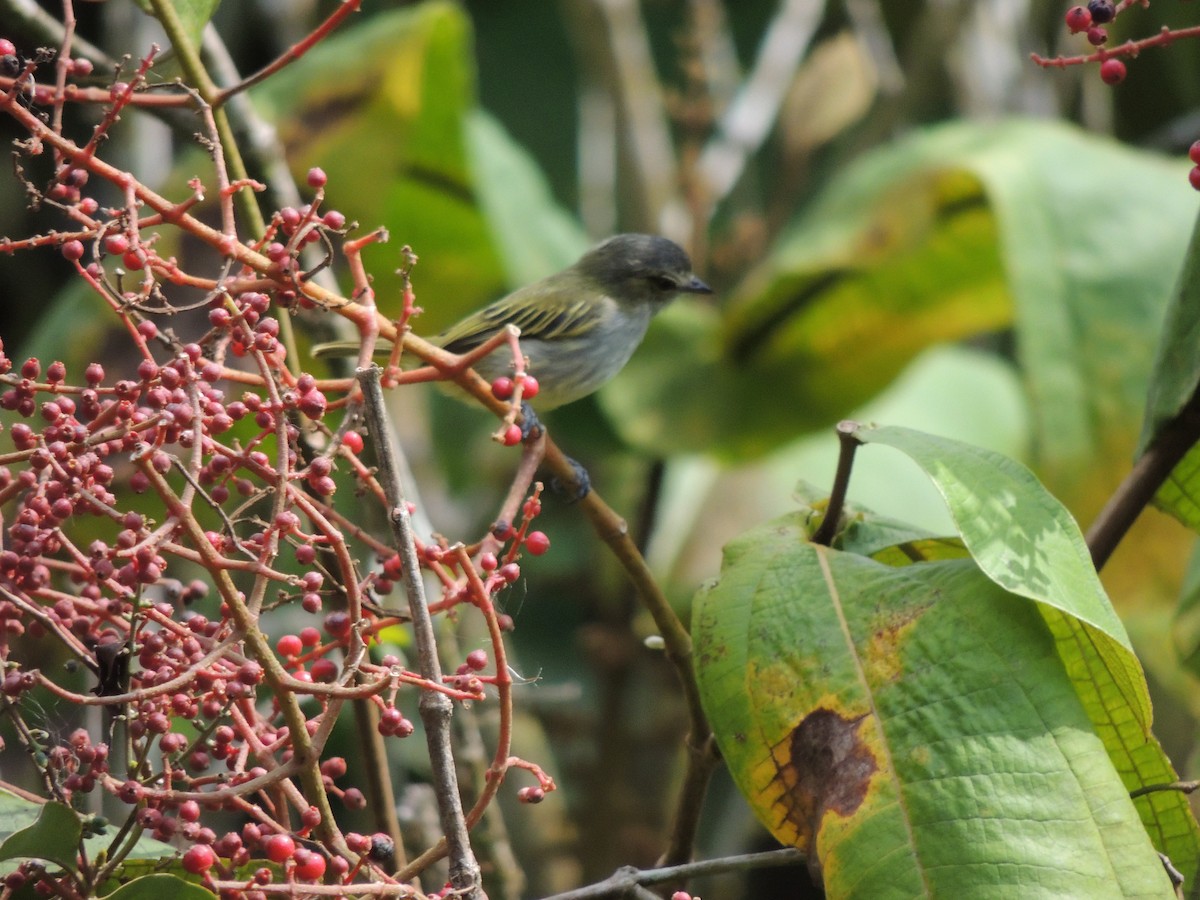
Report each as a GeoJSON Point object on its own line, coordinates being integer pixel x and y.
{"type": "Point", "coordinates": [535, 235]}
{"type": "Point", "coordinates": [54, 836]}
{"type": "Point", "coordinates": [956, 230]}
{"type": "Point", "coordinates": [1026, 541]}
{"type": "Point", "coordinates": [194, 14]}
{"type": "Point", "coordinates": [911, 728]}
{"type": "Point", "coordinates": [156, 887]}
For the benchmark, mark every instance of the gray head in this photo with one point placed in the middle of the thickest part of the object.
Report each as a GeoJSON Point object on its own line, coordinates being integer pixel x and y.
{"type": "Point", "coordinates": [641, 268]}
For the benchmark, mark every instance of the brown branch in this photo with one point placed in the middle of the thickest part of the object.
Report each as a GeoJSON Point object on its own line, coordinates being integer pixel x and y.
{"type": "Point", "coordinates": [702, 758]}
{"type": "Point", "coordinates": [848, 445]}
{"type": "Point", "coordinates": [1148, 474]}
{"type": "Point", "coordinates": [435, 707]}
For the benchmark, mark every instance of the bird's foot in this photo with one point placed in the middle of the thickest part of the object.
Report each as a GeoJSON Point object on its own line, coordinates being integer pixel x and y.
{"type": "Point", "coordinates": [577, 489]}
{"type": "Point", "coordinates": [531, 425]}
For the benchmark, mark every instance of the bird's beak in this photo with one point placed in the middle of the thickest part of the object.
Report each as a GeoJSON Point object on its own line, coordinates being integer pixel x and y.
{"type": "Point", "coordinates": [695, 286]}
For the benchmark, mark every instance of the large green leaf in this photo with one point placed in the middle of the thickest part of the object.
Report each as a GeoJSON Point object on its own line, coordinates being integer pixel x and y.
{"type": "Point", "coordinates": [1174, 384]}
{"type": "Point", "coordinates": [54, 835]}
{"type": "Point", "coordinates": [912, 728]}
{"type": "Point", "coordinates": [955, 230]}
{"type": "Point", "coordinates": [1026, 541]}
{"type": "Point", "coordinates": [156, 887]}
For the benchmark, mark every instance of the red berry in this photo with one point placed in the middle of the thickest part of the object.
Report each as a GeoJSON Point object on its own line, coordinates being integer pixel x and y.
{"type": "Point", "coordinates": [1078, 19]}
{"type": "Point", "coordinates": [189, 811]}
{"type": "Point", "coordinates": [537, 543]}
{"type": "Point", "coordinates": [1097, 36]}
{"type": "Point", "coordinates": [530, 387]}
{"type": "Point", "coordinates": [502, 388]}
{"type": "Point", "coordinates": [1194, 177]}
{"type": "Point", "coordinates": [317, 177]}
{"type": "Point", "coordinates": [1194, 153]}
{"type": "Point", "coordinates": [309, 636]}
{"type": "Point", "coordinates": [477, 660]}
{"type": "Point", "coordinates": [353, 442]}
{"type": "Point", "coordinates": [279, 847]}
{"type": "Point", "coordinates": [1112, 71]}
{"type": "Point", "coordinates": [7, 47]}
{"type": "Point", "coordinates": [512, 436]}
{"type": "Point", "coordinates": [289, 645]}
{"type": "Point", "coordinates": [73, 250]}
{"type": "Point", "coordinates": [324, 670]}
{"type": "Point", "coordinates": [116, 244]}
{"type": "Point", "coordinates": [311, 867]}
{"type": "Point", "coordinates": [134, 260]}
{"type": "Point", "coordinates": [199, 859]}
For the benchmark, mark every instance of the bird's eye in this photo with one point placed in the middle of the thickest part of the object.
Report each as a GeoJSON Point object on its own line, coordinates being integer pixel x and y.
{"type": "Point", "coordinates": [663, 283]}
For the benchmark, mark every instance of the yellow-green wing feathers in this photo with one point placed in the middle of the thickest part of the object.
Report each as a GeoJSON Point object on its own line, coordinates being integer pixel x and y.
{"type": "Point", "coordinates": [543, 311]}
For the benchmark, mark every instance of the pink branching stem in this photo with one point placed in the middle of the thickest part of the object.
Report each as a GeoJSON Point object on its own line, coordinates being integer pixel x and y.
{"type": "Point", "coordinates": [1131, 49]}
{"type": "Point", "coordinates": [294, 52]}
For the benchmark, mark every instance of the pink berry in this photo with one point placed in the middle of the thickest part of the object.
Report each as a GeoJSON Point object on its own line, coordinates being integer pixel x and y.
{"type": "Point", "coordinates": [279, 848]}
{"type": "Point", "coordinates": [477, 660]}
{"type": "Point", "coordinates": [512, 436]}
{"type": "Point", "coordinates": [353, 442]}
{"type": "Point", "coordinates": [1078, 19]}
{"type": "Point", "coordinates": [199, 859]}
{"type": "Point", "coordinates": [537, 543]}
{"type": "Point", "coordinates": [289, 645]}
{"type": "Point", "coordinates": [502, 388]}
{"type": "Point", "coordinates": [317, 177]}
{"type": "Point", "coordinates": [73, 250]}
{"type": "Point", "coordinates": [530, 387]}
{"type": "Point", "coordinates": [311, 867]}
{"type": "Point", "coordinates": [1112, 71]}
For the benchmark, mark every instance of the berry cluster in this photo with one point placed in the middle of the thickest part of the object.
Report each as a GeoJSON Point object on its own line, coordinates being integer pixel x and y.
{"type": "Point", "coordinates": [175, 518]}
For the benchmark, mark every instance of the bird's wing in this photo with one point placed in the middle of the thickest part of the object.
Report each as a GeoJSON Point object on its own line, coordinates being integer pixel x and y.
{"type": "Point", "coordinates": [542, 311]}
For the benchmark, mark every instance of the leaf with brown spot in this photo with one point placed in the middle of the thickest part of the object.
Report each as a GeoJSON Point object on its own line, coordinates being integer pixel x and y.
{"type": "Point", "coordinates": [911, 727]}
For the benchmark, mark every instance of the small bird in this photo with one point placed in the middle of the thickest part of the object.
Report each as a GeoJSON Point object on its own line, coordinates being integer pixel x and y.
{"type": "Point", "coordinates": [579, 326]}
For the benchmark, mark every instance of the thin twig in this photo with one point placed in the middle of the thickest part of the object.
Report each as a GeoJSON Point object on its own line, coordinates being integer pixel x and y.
{"type": "Point", "coordinates": [1148, 474]}
{"type": "Point", "coordinates": [1183, 787]}
{"type": "Point", "coordinates": [434, 706]}
{"type": "Point", "coordinates": [841, 482]}
{"type": "Point", "coordinates": [626, 879]}
{"type": "Point", "coordinates": [702, 758]}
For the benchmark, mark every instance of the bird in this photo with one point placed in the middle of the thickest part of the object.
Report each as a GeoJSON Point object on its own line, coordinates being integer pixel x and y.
{"type": "Point", "coordinates": [579, 326]}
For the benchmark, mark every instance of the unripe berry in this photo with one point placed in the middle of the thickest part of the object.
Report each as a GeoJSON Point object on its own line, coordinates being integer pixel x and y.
{"type": "Point", "coordinates": [1112, 71]}
{"type": "Point", "coordinates": [1078, 19]}
{"type": "Point", "coordinates": [537, 543]}
{"type": "Point", "coordinates": [279, 848]}
{"type": "Point", "coordinates": [502, 388]}
{"type": "Point", "coordinates": [199, 859]}
{"type": "Point", "coordinates": [289, 645]}
{"type": "Point", "coordinates": [529, 387]}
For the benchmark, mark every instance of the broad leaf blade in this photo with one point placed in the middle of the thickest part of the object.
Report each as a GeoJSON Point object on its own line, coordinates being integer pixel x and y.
{"type": "Point", "coordinates": [1026, 541]}
{"type": "Point", "coordinates": [54, 836]}
{"type": "Point", "coordinates": [911, 728]}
